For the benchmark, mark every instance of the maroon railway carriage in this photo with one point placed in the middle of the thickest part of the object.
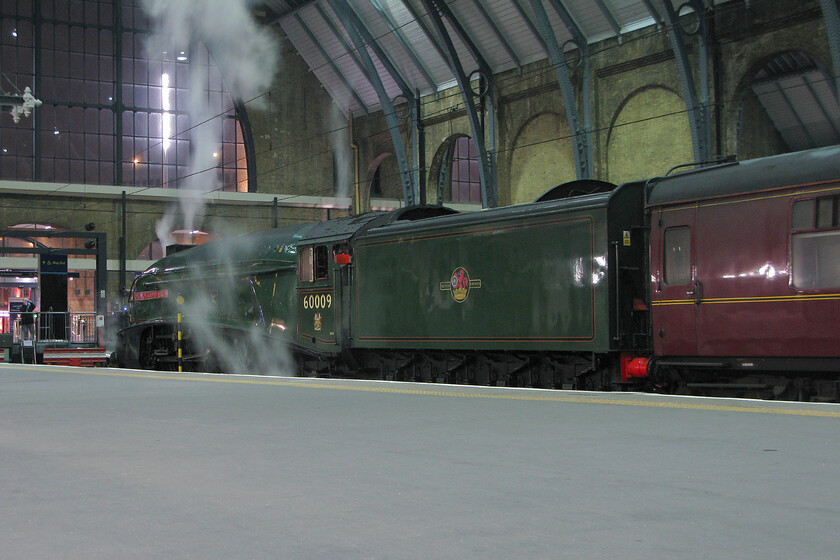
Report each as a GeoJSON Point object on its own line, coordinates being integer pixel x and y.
{"type": "Point", "coordinates": [745, 271]}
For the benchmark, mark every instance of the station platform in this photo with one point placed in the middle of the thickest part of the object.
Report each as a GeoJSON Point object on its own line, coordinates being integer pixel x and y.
{"type": "Point", "coordinates": [107, 463]}
{"type": "Point", "coordinates": [88, 356]}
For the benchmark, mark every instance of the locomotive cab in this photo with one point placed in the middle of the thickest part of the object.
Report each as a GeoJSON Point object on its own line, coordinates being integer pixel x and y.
{"type": "Point", "coordinates": [317, 298]}
{"type": "Point", "coordinates": [325, 259]}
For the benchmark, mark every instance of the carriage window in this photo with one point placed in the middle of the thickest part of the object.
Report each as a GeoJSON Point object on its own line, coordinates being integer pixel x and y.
{"type": "Point", "coordinates": [677, 256]}
{"type": "Point", "coordinates": [803, 215]}
{"type": "Point", "coordinates": [825, 212]}
{"type": "Point", "coordinates": [816, 260]}
{"type": "Point", "coordinates": [322, 263]}
{"type": "Point", "coordinates": [305, 268]}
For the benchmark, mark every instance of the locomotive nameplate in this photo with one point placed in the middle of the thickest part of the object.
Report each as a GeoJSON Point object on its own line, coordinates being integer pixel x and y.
{"type": "Point", "coordinates": [156, 294]}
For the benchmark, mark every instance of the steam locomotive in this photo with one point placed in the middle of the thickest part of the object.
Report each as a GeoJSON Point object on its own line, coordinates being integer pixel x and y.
{"type": "Point", "coordinates": [723, 278]}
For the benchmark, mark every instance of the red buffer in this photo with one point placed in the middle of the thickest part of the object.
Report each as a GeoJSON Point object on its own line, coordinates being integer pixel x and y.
{"type": "Point", "coordinates": [633, 367]}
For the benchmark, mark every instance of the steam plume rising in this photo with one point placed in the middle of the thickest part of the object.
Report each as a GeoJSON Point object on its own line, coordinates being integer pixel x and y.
{"type": "Point", "coordinates": [342, 152]}
{"type": "Point", "coordinates": [246, 56]}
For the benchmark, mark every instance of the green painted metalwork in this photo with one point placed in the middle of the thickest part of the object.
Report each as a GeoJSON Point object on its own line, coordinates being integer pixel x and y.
{"type": "Point", "coordinates": [530, 278]}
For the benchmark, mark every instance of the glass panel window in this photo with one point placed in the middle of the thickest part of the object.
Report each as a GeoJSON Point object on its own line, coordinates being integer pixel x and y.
{"type": "Point", "coordinates": [803, 215]}
{"type": "Point", "coordinates": [465, 182]}
{"type": "Point", "coordinates": [825, 212]}
{"type": "Point", "coordinates": [78, 67]}
{"type": "Point", "coordinates": [816, 260]}
{"type": "Point", "coordinates": [677, 256]}
{"type": "Point", "coordinates": [322, 263]}
{"type": "Point", "coordinates": [305, 270]}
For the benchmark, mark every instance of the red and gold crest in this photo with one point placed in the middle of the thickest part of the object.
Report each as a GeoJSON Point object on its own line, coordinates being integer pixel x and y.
{"type": "Point", "coordinates": [460, 284]}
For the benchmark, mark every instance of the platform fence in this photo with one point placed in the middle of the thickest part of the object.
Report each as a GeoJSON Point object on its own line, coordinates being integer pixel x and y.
{"type": "Point", "coordinates": [59, 328]}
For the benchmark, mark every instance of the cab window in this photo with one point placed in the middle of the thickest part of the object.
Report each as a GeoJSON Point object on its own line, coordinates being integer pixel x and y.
{"type": "Point", "coordinates": [305, 269]}
{"type": "Point", "coordinates": [322, 263]}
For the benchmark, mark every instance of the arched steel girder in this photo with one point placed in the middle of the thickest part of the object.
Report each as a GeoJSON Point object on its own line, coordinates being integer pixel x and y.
{"type": "Point", "coordinates": [398, 35]}
{"type": "Point", "coordinates": [699, 109]}
{"type": "Point", "coordinates": [351, 17]}
{"type": "Point", "coordinates": [652, 11]}
{"type": "Point", "coordinates": [583, 145]}
{"type": "Point", "coordinates": [607, 13]}
{"type": "Point", "coordinates": [424, 28]}
{"type": "Point", "coordinates": [534, 31]}
{"type": "Point", "coordinates": [832, 25]}
{"type": "Point", "coordinates": [336, 70]}
{"type": "Point", "coordinates": [352, 25]}
{"type": "Point", "coordinates": [347, 46]}
{"type": "Point", "coordinates": [437, 10]}
{"type": "Point", "coordinates": [499, 35]}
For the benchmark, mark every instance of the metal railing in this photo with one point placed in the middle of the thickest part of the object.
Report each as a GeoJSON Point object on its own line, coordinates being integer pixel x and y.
{"type": "Point", "coordinates": [59, 327]}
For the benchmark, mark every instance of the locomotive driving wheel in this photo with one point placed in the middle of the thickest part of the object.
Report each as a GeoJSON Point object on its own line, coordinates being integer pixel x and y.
{"type": "Point", "coordinates": [147, 356]}
{"type": "Point", "coordinates": [242, 355]}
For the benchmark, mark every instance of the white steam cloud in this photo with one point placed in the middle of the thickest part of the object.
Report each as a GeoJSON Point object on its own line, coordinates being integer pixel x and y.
{"type": "Point", "coordinates": [343, 152]}
{"type": "Point", "coordinates": [246, 56]}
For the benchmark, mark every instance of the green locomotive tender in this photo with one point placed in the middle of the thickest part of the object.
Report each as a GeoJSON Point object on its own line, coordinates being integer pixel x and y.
{"type": "Point", "coordinates": [548, 294]}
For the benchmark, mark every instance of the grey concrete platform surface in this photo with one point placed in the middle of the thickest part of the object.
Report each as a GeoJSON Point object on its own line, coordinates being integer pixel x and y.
{"type": "Point", "coordinates": [98, 463]}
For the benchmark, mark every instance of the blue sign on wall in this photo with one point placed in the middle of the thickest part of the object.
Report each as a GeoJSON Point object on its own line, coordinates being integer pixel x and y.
{"type": "Point", "coordinates": [53, 264]}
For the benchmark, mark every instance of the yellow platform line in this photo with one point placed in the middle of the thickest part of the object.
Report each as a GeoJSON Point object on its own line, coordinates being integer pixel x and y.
{"type": "Point", "coordinates": [397, 389]}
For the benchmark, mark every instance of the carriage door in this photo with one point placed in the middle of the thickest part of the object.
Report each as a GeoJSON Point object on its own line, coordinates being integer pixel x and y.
{"type": "Point", "coordinates": [675, 288]}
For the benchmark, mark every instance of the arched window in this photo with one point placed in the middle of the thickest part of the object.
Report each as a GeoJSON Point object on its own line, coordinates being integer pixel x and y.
{"type": "Point", "coordinates": [465, 181]}
{"type": "Point", "coordinates": [376, 182]}
{"type": "Point", "coordinates": [111, 114]}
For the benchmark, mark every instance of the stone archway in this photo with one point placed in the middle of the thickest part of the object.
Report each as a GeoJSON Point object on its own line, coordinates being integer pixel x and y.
{"type": "Point", "coordinates": [650, 133]}
{"type": "Point", "coordinates": [542, 157]}
{"type": "Point", "coordinates": [372, 177]}
{"type": "Point", "coordinates": [444, 176]}
{"type": "Point", "coordinates": [785, 101]}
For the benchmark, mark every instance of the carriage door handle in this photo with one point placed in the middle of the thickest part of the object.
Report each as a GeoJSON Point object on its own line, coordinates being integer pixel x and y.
{"type": "Point", "coordinates": [697, 292]}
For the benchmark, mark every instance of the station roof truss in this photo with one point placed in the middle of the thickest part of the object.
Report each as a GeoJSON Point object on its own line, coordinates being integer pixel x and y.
{"type": "Point", "coordinates": [799, 98]}
{"type": "Point", "coordinates": [411, 56]}
{"type": "Point", "coordinates": [503, 32]}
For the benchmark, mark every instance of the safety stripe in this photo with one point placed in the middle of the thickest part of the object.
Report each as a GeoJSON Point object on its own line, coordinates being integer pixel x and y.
{"type": "Point", "coordinates": [758, 299]}
{"type": "Point", "coordinates": [824, 411]}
